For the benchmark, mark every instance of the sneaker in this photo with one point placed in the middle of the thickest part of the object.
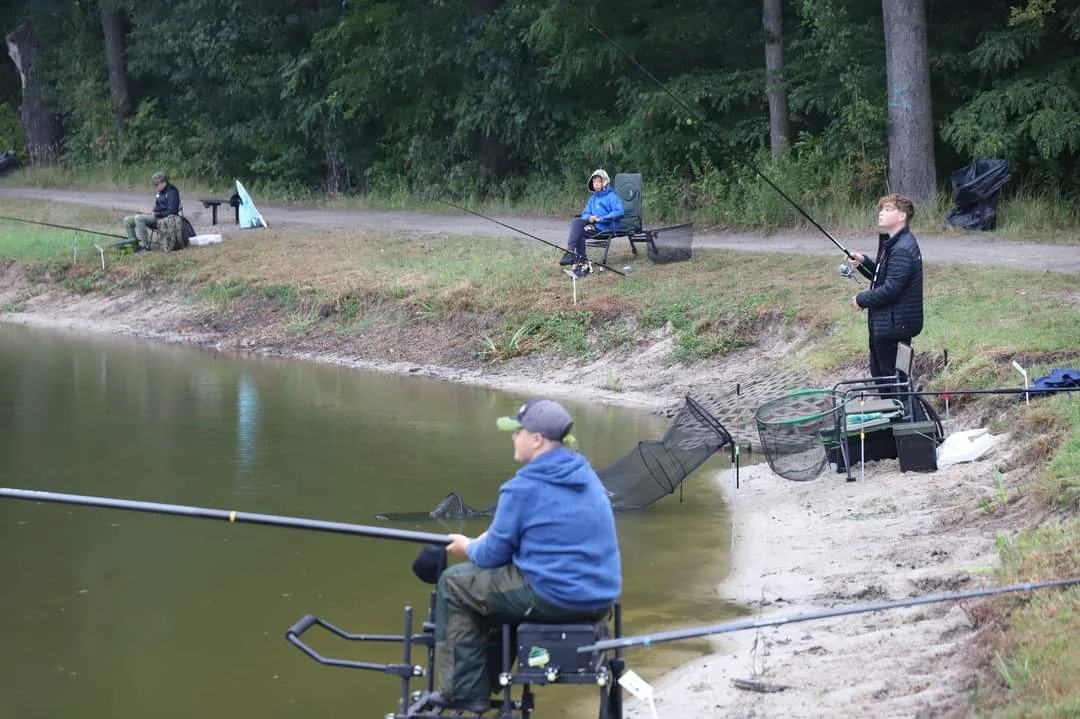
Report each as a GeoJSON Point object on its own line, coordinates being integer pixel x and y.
{"type": "Point", "coordinates": [568, 259]}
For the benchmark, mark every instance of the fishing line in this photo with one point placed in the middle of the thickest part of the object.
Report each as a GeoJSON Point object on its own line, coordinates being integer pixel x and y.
{"type": "Point", "coordinates": [231, 516]}
{"type": "Point", "coordinates": [645, 640]}
{"type": "Point", "coordinates": [523, 232]}
{"type": "Point", "coordinates": [715, 133]}
{"type": "Point", "coordinates": [63, 227]}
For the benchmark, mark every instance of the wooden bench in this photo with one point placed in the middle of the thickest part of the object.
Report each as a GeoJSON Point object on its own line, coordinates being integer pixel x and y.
{"type": "Point", "coordinates": [213, 203]}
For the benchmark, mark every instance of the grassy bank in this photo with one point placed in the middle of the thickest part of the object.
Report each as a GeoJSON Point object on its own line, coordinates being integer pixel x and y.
{"type": "Point", "coordinates": [470, 301]}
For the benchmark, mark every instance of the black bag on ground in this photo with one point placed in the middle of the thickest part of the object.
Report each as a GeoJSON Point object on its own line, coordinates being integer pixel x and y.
{"type": "Point", "coordinates": [8, 161]}
{"type": "Point", "coordinates": [975, 190]}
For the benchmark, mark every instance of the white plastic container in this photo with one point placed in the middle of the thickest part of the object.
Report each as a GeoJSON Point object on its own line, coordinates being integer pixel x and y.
{"type": "Point", "coordinates": [205, 240]}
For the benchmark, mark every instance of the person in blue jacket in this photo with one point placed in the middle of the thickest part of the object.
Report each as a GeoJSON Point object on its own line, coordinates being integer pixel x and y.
{"type": "Point", "coordinates": [550, 554]}
{"type": "Point", "coordinates": [601, 214]}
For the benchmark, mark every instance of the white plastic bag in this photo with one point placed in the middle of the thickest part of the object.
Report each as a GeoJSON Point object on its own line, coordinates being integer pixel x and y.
{"type": "Point", "coordinates": [964, 446]}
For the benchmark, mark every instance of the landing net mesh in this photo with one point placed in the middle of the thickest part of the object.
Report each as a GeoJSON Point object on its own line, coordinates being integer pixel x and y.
{"type": "Point", "coordinates": [672, 244]}
{"type": "Point", "coordinates": [796, 431]}
{"type": "Point", "coordinates": [650, 471]}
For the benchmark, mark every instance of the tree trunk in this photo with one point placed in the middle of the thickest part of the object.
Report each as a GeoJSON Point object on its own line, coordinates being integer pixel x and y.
{"type": "Point", "coordinates": [39, 126]}
{"type": "Point", "coordinates": [113, 32]}
{"type": "Point", "coordinates": [911, 127]}
{"type": "Point", "coordinates": [774, 73]}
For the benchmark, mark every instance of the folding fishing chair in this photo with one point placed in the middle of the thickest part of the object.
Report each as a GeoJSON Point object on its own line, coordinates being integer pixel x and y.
{"type": "Point", "coordinates": [865, 427]}
{"type": "Point", "coordinates": [628, 187]}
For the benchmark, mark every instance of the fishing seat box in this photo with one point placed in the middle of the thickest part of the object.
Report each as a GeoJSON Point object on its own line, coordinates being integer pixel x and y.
{"type": "Point", "coordinates": [916, 446]}
{"type": "Point", "coordinates": [560, 641]}
{"type": "Point", "coordinates": [877, 444]}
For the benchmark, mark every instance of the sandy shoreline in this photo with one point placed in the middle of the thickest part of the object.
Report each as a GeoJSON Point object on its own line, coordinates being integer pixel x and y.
{"type": "Point", "coordinates": [798, 546]}
{"type": "Point", "coordinates": [802, 547]}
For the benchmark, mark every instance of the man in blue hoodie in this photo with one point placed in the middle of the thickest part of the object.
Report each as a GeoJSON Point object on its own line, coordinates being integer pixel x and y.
{"type": "Point", "coordinates": [550, 555]}
{"type": "Point", "coordinates": [601, 214]}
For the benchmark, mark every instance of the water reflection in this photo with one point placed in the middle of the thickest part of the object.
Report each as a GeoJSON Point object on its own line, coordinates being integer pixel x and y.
{"type": "Point", "coordinates": [118, 614]}
{"type": "Point", "coordinates": [247, 432]}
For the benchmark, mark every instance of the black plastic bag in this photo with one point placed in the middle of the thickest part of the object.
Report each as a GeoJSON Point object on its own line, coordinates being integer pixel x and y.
{"type": "Point", "coordinates": [8, 161]}
{"type": "Point", "coordinates": [975, 190]}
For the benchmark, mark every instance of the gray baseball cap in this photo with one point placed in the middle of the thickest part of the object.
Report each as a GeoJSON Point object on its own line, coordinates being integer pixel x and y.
{"type": "Point", "coordinates": [542, 416]}
{"type": "Point", "coordinates": [158, 177]}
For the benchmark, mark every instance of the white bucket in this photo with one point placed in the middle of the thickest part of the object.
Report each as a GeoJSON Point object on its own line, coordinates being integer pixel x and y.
{"type": "Point", "coordinates": [205, 239]}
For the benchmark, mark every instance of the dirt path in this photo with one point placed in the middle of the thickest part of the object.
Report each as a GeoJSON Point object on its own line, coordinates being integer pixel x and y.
{"type": "Point", "coordinates": [980, 249]}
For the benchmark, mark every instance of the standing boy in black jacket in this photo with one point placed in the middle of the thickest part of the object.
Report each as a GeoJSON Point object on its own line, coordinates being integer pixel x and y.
{"type": "Point", "coordinates": [895, 296]}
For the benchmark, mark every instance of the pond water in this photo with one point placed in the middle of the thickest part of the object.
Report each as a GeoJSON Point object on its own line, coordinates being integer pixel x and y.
{"type": "Point", "coordinates": [123, 614]}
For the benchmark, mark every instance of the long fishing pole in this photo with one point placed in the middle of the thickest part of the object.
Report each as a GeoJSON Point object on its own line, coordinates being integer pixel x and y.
{"type": "Point", "coordinates": [63, 227]}
{"type": "Point", "coordinates": [523, 232]}
{"type": "Point", "coordinates": [871, 392]}
{"type": "Point", "coordinates": [704, 123]}
{"type": "Point", "coordinates": [645, 640]}
{"type": "Point", "coordinates": [231, 516]}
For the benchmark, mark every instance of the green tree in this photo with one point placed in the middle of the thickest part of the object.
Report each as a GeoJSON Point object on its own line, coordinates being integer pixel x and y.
{"type": "Point", "coordinates": [1024, 102]}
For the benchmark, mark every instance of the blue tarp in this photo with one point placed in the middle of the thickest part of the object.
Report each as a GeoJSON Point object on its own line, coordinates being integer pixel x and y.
{"type": "Point", "coordinates": [1059, 378]}
{"type": "Point", "coordinates": [249, 216]}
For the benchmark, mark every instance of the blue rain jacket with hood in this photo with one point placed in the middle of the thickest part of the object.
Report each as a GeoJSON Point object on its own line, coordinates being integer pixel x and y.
{"type": "Point", "coordinates": [605, 204]}
{"type": "Point", "coordinates": [555, 523]}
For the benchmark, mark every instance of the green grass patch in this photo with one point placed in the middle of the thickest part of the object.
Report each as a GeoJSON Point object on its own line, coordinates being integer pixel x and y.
{"type": "Point", "coordinates": [1035, 659]}
{"type": "Point", "coordinates": [985, 318]}
{"type": "Point", "coordinates": [224, 291]}
{"type": "Point", "coordinates": [1059, 482]}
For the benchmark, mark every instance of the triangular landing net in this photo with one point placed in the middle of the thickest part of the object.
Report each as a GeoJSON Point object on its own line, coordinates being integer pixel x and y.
{"type": "Point", "coordinates": [650, 471]}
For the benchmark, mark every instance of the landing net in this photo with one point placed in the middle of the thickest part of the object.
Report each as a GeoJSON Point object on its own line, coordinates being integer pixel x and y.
{"type": "Point", "coordinates": [797, 429]}
{"type": "Point", "coordinates": [650, 471]}
{"type": "Point", "coordinates": [672, 244]}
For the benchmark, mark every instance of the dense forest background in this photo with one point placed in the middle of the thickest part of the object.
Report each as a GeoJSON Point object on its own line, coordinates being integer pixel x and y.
{"type": "Point", "coordinates": [500, 99]}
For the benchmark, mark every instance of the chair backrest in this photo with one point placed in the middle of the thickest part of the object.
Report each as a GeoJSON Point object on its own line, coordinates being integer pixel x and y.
{"type": "Point", "coordinates": [904, 359]}
{"type": "Point", "coordinates": [628, 187]}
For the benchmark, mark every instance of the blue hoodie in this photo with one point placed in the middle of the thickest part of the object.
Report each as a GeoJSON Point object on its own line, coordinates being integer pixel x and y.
{"type": "Point", "coordinates": [554, 522]}
{"type": "Point", "coordinates": [608, 208]}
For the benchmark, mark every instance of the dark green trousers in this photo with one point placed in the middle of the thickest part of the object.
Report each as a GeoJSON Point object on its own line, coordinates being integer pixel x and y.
{"type": "Point", "coordinates": [470, 603]}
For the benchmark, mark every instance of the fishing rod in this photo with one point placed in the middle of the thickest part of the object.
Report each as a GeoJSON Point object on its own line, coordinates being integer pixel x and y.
{"type": "Point", "coordinates": [945, 392]}
{"type": "Point", "coordinates": [63, 227]}
{"type": "Point", "coordinates": [523, 232]}
{"type": "Point", "coordinates": [645, 640]}
{"type": "Point", "coordinates": [231, 516]}
{"type": "Point", "coordinates": [715, 133]}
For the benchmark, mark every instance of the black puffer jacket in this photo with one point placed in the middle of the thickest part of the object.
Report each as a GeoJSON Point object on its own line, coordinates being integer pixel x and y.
{"type": "Point", "coordinates": [167, 202]}
{"type": "Point", "coordinates": [895, 297]}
